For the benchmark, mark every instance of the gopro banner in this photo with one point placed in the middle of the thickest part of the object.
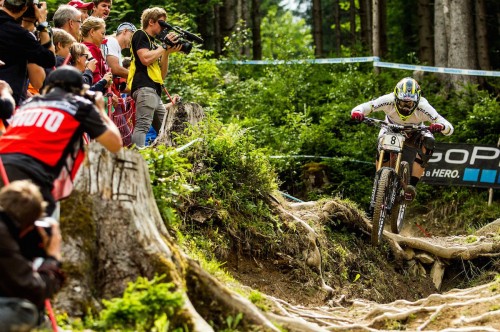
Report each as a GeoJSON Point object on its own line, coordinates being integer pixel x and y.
{"type": "Point", "coordinates": [464, 165]}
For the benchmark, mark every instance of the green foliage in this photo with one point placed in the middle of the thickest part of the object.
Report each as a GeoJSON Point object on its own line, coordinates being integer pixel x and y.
{"type": "Point", "coordinates": [235, 175]}
{"type": "Point", "coordinates": [195, 77]}
{"type": "Point", "coordinates": [168, 172]}
{"type": "Point", "coordinates": [145, 306]}
{"type": "Point", "coordinates": [232, 323]}
{"type": "Point", "coordinates": [284, 37]}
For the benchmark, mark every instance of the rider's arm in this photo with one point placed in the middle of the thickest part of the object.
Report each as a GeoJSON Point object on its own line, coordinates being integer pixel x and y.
{"type": "Point", "coordinates": [382, 103]}
{"type": "Point", "coordinates": [434, 117]}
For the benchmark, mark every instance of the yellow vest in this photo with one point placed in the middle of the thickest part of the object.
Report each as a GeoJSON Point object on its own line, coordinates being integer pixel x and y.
{"type": "Point", "coordinates": [154, 69]}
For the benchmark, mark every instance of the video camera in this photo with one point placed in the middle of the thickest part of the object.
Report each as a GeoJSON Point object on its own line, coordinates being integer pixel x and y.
{"type": "Point", "coordinates": [185, 37]}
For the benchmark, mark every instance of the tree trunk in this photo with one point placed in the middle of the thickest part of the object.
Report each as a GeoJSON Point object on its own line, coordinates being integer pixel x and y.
{"type": "Point", "coordinates": [441, 16]}
{"type": "Point", "coordinates": [228, 19]}
{"type": "Point", "coordinates": [218, 38]}
{"type": "Point", "coordinates": [338, 32]}
{"type": "Point", "coordinates": [462, 46]}
{"type": "Point", "coordinates": [482, 36]}
{"type": "Point", "coordinates": [352, 23]}
{"type": "Point", "coordinates": [425, 41]}
{"type": "Point", "coordinates": [376, 31]}
{"type": "Point", "coordinates": [366, 24]}
{"type": "Point", "coordinates": [317, 28]}
{"type": "Point", "coordinates": [206, 24]}
{"type": "Point", "coordinates": [245, 16]}
{"type": "Point", "coordinates": [256, 35]}
{"type": "Point", "coordinates": [382, 23]}
{"type": "Point", "coordinates": [177, 118]}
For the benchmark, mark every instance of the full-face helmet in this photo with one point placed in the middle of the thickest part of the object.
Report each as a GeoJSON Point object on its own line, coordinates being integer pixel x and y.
{"type": "Point", "coordinates": [406, 95]}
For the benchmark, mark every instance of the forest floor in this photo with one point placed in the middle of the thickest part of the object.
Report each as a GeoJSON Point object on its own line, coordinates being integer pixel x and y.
{"type": "Point", "coordinates": [469, 299]}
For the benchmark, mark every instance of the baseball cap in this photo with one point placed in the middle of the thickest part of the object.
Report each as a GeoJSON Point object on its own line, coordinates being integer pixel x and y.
{"type": "Point", "coordinates": [78, 4]}
{"type": "Point", "coordinates": [126, 25]}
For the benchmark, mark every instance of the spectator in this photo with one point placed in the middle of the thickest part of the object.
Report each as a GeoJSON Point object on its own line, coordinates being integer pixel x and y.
{"type": "Point", "coordinates": [148, 70]}
{"type": "Point", "coordinates": [102, 8]}
{"type": "Point", "coordinates": [114, 47]}
{"type": "Point", "coordinates": [22, 290]}
{"type": "Point", "coordinates": [45, 135]}
{"type": "Point", "coordinates": [93, 32]}
{"type": "Point", "coordinates": [83, 7]}
{"type": "Point", "coordinates": [18, 47]}
{"type": "Point", "coordinates": [83, 61]}
{"type": "Point", "coordinates": [36, 74]}
{"type": "Point", "coordinates": [69, 19]}
{"type": "Point", "coordinates": [62, 41]}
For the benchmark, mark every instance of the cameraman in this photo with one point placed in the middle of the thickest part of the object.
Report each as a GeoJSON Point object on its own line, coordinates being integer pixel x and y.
{"type": "Point", "coordinates": [18, 47]}
{"type": "Point", "coordinates": [148, 70]}
{"type": "Point", "coordinates": [45, 136]}
{"type": "Point", "coordinates": [22, 290]}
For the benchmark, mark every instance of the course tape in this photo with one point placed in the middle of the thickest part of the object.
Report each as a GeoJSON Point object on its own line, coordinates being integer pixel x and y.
{"type": "Point", "coordinates": [376, 63]}
{"type": "Point", "coordinates": [322, 157]}
{"type": "Point", "coordinates": [455, 71]}
{"type": "Point", "coordinates": [309, 61]}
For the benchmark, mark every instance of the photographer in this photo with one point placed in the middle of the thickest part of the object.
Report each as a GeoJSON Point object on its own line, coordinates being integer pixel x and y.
{"type": "Point", "coordinates": [18, 47]}
{"type": "Point", "coordinates": [148, 69]}
{"type": "Point", "coordinates": [44, 138]}
{"type": "Point", "coordinates": [22, 290]}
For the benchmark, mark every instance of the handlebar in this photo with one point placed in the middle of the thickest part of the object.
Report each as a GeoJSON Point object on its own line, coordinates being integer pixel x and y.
{"type": "Point", "coordinates": [395, 127]}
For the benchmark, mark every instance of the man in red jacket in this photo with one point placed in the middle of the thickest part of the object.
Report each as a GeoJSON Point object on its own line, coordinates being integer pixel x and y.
{"type": "Point", "coordinates": [44, 137]}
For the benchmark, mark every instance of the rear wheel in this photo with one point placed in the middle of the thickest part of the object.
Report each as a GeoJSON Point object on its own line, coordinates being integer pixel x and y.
{"type": "Point", "coordinates": [382, 197]}
{"type": "Point", "coordinates": [399, 209]}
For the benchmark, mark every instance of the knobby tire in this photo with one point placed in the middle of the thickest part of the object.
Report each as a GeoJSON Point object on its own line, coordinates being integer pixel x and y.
{"type": "Point", "coordinates": [382, 198]}
{"type": "Point", "coordinates": [399, 209]}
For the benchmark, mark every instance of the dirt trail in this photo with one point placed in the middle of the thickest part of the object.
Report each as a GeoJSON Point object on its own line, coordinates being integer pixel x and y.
{"type": "Point", "coordinates": [301, 305]}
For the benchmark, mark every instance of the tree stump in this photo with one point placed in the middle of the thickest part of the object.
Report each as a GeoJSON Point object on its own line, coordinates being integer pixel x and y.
{"type": "Point", "coordinates": [177, 118]}
{"type": "Point", "coordinates": [113, 233]}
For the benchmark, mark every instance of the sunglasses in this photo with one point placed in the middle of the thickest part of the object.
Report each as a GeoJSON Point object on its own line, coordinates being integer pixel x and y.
{"type": "Point", "coordinates": [85, 55]}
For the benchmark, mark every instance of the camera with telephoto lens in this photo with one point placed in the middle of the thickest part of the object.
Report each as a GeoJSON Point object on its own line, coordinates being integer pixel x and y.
{"type": "Point", "coordinates": [185, 37]}
{"type": "Point", "coordinates": [32, 243]}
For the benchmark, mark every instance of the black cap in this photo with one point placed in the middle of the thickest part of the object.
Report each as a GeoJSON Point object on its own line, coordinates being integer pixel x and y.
{"type": "Point", "coordinates": [67, 78]}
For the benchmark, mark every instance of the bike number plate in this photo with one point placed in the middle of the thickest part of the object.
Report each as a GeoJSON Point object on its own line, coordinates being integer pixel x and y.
{"type": "Point", "coordinates": [392, 142]}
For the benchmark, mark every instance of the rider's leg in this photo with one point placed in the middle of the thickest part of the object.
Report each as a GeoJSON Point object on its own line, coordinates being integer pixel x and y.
{"type": "Point", "coordinates": [420, 163]}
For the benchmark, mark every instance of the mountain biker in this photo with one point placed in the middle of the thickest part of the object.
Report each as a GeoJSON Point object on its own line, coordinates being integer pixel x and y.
{"type": "Point", "coordinates": [406, 106]}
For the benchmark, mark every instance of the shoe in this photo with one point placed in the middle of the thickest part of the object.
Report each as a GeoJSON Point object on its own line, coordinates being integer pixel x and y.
{"type": "Point", "coordinates": [410, 193]}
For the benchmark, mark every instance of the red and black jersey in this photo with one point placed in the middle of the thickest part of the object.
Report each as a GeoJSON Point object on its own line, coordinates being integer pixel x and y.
{"type": "Point", "coordinates": [48, 129]}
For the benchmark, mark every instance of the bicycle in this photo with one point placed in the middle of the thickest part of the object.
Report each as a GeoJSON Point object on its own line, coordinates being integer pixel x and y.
{"type": "Point", "coordinates": [387, 199]}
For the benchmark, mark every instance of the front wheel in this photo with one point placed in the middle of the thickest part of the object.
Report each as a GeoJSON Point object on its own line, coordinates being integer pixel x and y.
{"type": "Point", "coordinates": [398, 211]}
{"type": "Point", "coordinates": [382, 197]}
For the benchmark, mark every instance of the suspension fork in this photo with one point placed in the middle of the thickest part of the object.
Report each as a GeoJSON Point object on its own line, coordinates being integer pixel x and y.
{"type": "Point", "coordinates": [381, 160]}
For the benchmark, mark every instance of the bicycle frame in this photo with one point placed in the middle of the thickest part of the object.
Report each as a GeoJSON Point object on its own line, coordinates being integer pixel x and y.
{"type": "Point", "coordinates": [390, 181]}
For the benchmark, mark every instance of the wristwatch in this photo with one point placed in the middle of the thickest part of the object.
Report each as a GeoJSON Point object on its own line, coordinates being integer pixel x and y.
{"type": "Point", "coordinates": [42, 26]}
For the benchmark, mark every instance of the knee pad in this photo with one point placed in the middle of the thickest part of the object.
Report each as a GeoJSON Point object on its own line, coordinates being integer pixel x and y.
{"type": "Point", "coordinates": [429, 143]}
{"type": "Point", "coordinates": [423, 158]}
